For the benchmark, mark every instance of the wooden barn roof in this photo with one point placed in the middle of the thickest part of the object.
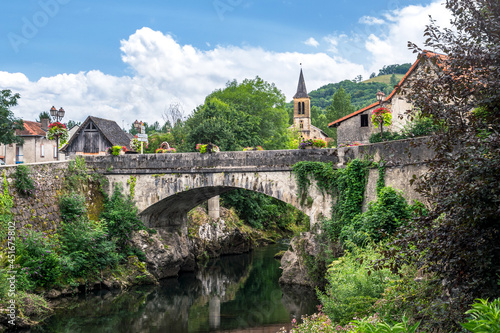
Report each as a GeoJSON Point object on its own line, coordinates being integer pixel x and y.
{"type": "Point", "coordinates": [109, 128]}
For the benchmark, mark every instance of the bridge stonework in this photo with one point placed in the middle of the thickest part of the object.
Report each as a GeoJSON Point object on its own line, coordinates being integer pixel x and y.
{"type": "Point", "coordinates": [167, 186]}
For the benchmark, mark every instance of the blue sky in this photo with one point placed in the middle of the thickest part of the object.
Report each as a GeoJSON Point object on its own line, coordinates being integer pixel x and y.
{"type": "Point", "coordinates": [70, 51]}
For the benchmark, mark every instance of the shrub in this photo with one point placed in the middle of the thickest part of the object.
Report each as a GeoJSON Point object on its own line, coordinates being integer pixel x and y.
{"type": "Point", "coordinates": [72, 206]}
{"type": "Point", "coordinates": [420, 126]}
{"type": "Point", "coordinates": [86, 247]}
{"type": "Point", "coordinates": [23, 182]}
{"type": "Point", "coordinates": [382, 218]}
{"type": "Point", "coordinates": [352, 288]}
{"type": "Point", "coordinates": [77, 174]}
{"type": "Point", "coordinates": [38, 259]}
{"type": "Point", "coordinates": [120, 215]}
{"type": "Point", "coordinates": [484, 316]}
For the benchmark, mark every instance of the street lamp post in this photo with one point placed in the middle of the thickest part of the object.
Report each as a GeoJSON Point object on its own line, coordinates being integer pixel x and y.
{"type": "Point", "coordinates": [380, 99]}
{"type": "Point", "coordinates": [57, 115]}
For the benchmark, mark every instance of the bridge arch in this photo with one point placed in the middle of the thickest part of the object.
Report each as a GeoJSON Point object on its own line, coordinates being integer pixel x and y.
{"type": "Point", "coordinates": [164, 200]}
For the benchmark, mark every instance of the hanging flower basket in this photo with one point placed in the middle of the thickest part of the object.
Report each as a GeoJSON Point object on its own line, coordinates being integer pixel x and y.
{"type": "Point", "coordinates": [58, 130]}
{"type": "Point", "coordinates": [381, 116]}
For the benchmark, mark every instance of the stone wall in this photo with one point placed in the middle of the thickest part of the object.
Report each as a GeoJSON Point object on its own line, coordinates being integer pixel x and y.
{"type": "Point", "coordinates": [40, 210]}
{"type": "Point", "coordinates": [403, 159]}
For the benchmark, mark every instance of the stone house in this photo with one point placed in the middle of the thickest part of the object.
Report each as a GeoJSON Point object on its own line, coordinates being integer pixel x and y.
{"type": "Point", "coordinates": [357, 126]}
{"type": "Point", "coordinates": [302, 114]}
{"type": "Point", "coordinates": [94, 136]}
{"type": "Point", "coordinates": [35, 149]}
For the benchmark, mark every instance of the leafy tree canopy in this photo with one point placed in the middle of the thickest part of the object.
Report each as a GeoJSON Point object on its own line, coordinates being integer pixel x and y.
{"type": "Point", "coordinates": [243, 114]}
{"type": "Point", "coordinates": [394, 69]}
{"type": "Point", "coordinates": [8, 123]}
{"type": "Point", "coordinates": [221, 124]}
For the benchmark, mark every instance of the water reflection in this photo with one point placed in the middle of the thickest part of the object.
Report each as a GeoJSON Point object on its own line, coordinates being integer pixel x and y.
{"type": "Point", "coordinates": [231, 294]}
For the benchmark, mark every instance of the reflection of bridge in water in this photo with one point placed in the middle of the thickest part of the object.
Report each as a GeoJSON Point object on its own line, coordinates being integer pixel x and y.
{"type": "Point", "coordinates": [230, 293]}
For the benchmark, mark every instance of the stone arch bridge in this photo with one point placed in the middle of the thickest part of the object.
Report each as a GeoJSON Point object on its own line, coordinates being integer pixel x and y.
{"type": "Point", "coordinates": [167, 186]}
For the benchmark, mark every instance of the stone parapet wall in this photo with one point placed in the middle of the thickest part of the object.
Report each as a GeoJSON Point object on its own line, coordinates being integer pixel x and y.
{"type": "Point", "coordinates": [231, 161]}
{"type": "Point", "coordinates": [41, 210]}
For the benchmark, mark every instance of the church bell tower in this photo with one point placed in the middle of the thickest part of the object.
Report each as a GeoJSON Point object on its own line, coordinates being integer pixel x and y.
{"type": "Point", "coordinates": [302, 109]}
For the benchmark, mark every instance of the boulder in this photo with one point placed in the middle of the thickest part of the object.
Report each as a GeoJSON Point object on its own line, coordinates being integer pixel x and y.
{"type": "Point", "coordinates": [166, 252]}
{"type": "Point", "coordinates": [293, 261]}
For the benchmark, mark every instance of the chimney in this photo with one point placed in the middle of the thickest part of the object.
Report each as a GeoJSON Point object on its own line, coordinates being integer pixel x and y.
{"type": "Point", "coordinates": [45, 124]}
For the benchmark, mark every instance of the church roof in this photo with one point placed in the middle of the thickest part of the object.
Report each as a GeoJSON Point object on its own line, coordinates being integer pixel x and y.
{"type": "Point", "coordinates": [301, 88]}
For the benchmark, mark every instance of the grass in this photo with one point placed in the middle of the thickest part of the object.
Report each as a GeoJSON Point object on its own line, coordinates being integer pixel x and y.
{"type": "Point", "coordinates": [384, 78]}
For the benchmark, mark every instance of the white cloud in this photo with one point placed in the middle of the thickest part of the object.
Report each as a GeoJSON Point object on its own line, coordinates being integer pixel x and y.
{"type": "Point", "coordinates": [406, 24]}
{"type": "Point", "coordinates": [370, 20]}
{"type": "Point", "coordinates": [312, 42]}
{"type": "Point", "coordinates": [164, 71]}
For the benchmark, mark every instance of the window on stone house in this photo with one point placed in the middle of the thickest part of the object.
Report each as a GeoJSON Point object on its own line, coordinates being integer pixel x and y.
{"type": "Point", "coordinates": [303, 108]}
{"type": "Point", "coordinates": [364, 120]}
{"type": "Point", "coordinates": [300, 108]}
{"type": "Point", "coordinates": [301, 125]}
{"type": "Point", "coordinates": [42, 151]}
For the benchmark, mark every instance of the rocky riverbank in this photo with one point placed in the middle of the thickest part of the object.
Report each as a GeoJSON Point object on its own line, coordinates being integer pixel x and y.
{"type": "Point", "coordinates": [166, 254]}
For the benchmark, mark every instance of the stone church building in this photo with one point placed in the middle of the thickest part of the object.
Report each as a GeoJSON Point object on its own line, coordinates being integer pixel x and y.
{"type": "Point", "coordinates": [302, 114]}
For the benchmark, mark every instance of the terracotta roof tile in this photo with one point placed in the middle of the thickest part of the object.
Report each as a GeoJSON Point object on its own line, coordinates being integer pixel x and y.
{"type": "Point", "coordinates": [31, 128]}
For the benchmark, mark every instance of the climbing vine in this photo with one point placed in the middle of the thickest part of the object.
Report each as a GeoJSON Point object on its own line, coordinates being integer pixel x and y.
{"type": "Point", "coordinates": [6, 203]}
{"type": "Point", "coordinates": [132, 181]}
{"type": "Point", "coordinates": [323, 173]}
{"type": "Point", "coordinates": [381, 177]}
{"type": "Point", "coordinates": [347, 185]}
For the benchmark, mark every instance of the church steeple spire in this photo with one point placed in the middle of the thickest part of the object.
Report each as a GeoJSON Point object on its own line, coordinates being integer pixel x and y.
{"type": "Point", "coordinates": [301, 88]}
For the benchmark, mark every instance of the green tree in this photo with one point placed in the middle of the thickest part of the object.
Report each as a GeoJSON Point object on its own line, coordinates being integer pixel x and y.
{"type": "Point", "coordinates": [8, 123]}
{"type": "Point", "coordinates": [72, 123]}
{"type": "Point", "coordinates": [341, 106]}
{"type": "Point", "coordinates": [262, 102]}
{"type": "Point", "coordinates": [43, 115]}
{"type": "Point", "coordinates": [393, 80]}
{"type": "Point", "coordinates": [221, 124]}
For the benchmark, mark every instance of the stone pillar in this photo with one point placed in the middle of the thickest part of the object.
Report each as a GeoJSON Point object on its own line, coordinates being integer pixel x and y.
{"type": "Point", "coordinates": [214, 207]}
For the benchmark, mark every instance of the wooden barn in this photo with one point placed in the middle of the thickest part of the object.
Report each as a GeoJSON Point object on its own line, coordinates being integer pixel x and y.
{"type": "Point", "coordinates": [94, 137]}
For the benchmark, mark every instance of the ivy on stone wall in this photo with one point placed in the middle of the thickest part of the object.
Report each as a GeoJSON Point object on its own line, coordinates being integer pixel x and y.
{"type": "Point", "coordinates": [132, 182]}
{"type": "Point", "coordinates": [381, 177]}
{"type": "Point", "coordinates": [6, 203]}
{"type": "Point", "coordinates": [347, 185]}
{"type": "Point", "coordinates": [25, 185]}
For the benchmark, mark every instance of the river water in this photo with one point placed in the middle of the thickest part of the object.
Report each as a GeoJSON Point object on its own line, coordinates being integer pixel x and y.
{"type": "Point", "coordinates": [237, 293]}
